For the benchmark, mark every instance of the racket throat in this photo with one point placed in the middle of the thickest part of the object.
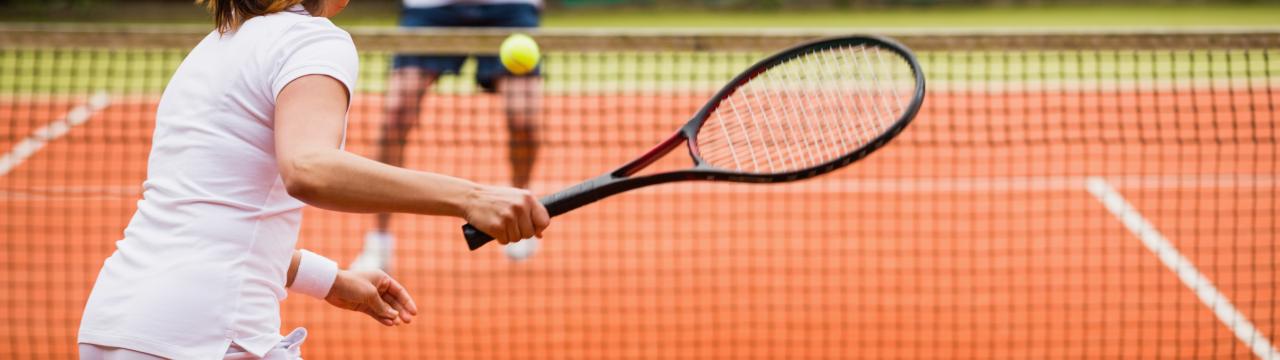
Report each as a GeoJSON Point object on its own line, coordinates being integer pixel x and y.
{"type": "Point", "coordinates": [657, 152]}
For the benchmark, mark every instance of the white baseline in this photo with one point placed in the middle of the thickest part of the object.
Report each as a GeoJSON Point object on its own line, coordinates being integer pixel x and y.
{"type": "Point", "coordinates": [53, 130]}
{"type": "Point", "coordinates": [1183, 267]}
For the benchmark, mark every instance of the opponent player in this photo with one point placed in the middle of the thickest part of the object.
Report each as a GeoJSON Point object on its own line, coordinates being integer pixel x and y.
{"type": "Point", "coordinates": [413, 75]}
{"type": "Point", "coordinates": [248, 129]}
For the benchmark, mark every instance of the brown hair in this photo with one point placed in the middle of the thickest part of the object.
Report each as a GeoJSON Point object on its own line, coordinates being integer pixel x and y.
{"type": "Point", "coordinates": [228, 15]}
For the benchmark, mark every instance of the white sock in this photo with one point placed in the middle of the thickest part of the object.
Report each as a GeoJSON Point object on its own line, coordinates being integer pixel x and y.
{"type": "Point", "coordinates": [379, 240]}
{"type": "Point", "coordinates": [376, 253]}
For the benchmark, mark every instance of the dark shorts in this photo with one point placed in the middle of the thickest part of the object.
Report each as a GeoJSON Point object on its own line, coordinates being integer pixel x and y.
{"type": "Point", "coordinates": [488, 68]}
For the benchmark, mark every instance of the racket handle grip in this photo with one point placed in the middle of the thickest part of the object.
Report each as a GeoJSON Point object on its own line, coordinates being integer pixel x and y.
{"type": "Point", "coordinates": [557, 203]}
{"type": "Point", "coordinates": [475, 237]}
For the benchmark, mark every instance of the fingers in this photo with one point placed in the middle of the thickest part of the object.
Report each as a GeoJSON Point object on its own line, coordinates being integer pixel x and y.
{"type": "Point", "coordinates": [526, 223]}
{"type": "Point", "coordinates": [540, 218]}
{"type": "Point", "coordinates": [375, 302]}
{"type": "Point", "coordinates": [526, 210]}
{"type": "Point", "coordinates": [386, 322]}
{"type": "Point", "coordinates": [510, 228]}
{"type": "Point", "coordinates": [508, 214]}
{"type": "Point", "coordinates": [403, 297]}
{"type": "Point", "coordinates": [403, 314]}
{"type": "Point", "coordinates": [373, 293]}
{"type": "Point", "coordinates": [380, 311]}
{"type": "Point", "coordinates": [395, 295]}
{"type": "Point", "coordinates": [383, 311]}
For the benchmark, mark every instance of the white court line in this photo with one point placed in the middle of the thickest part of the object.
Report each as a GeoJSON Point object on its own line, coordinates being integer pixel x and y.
{"type": "Point", "coordinates": [1183, 267]}
{"type": "Point", "coordinates": [55, 129]}
{"type": "Point", "coordinates": [905, 185]}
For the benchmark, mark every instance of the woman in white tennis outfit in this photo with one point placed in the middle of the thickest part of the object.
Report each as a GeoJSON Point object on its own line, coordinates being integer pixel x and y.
{"type": "Point", "coordinates": [249, 129]}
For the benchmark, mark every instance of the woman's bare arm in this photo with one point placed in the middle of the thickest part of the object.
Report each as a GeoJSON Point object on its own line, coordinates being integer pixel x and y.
{"type": "Point", "coordinates": [309, 122]}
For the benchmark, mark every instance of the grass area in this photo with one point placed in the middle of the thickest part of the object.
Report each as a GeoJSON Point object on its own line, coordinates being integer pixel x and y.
{"type": "Point", "coordinates": [1037, 17]}
{"type": "Point", "coordinates": [1075, 16]}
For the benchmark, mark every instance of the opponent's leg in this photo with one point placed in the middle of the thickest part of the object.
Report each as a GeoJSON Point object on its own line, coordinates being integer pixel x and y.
{"type": "Point", "coordinates": [406, 87]}
{"type": "Point", "coordinates": [522, 98]}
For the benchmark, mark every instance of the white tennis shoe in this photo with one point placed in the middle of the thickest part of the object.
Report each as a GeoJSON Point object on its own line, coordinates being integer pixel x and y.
{"type": "Point", "coordinates": [522, 250]}
{"type": "Point", "coordinates": [377, 252]}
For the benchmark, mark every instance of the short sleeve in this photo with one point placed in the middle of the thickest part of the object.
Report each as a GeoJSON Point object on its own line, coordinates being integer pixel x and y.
{"type": "Point", "coordinates": [315, 48]}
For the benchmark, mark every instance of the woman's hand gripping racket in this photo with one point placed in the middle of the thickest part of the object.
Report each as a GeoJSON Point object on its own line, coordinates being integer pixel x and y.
{"type": "Point", "coordinates": [803, 112]}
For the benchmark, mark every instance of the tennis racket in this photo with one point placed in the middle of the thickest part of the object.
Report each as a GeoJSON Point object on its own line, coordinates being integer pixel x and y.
{"type": "Point", "coordinates": [800, 113]}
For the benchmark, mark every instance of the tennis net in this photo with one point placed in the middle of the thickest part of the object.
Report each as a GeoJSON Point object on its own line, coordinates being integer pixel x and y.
{"type": "Point", "coordinates": [1062, 194]}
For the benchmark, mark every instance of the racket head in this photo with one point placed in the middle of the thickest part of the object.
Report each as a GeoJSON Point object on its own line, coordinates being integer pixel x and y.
{"type": "Point", "coordinates": [806, 111]}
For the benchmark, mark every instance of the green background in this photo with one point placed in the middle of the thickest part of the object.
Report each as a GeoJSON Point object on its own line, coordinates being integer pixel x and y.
{"type": "Point", "coordinates": [665, 14]}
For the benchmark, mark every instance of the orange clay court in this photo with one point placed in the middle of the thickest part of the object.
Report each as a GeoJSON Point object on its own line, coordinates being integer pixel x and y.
{"type": "Point", "coordinates": [1029, 222]}
{"type": "Point", "coordinates": [996, 250]}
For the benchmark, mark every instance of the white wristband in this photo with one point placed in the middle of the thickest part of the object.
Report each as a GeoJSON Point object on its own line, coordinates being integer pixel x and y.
{"type": "Point", "coordinates": [315, 275]}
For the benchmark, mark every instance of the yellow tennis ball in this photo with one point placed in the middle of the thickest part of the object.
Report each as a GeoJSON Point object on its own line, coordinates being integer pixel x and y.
{"type": "Point", "coordinates": [519, 54]}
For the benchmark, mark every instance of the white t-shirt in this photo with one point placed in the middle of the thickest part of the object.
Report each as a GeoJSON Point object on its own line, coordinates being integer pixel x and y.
{"type": "Point", "coordinates": [203, 262]}
{"type": "Point", "coordinates": [421, 4]}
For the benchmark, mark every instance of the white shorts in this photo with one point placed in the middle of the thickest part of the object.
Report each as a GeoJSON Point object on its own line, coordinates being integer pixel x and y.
{"type": "Point", "coordinates": [289, 348]}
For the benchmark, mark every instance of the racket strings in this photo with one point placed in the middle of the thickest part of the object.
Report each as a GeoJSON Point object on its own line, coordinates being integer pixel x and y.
{"type": "Point", "coordinates": [808, 110]}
